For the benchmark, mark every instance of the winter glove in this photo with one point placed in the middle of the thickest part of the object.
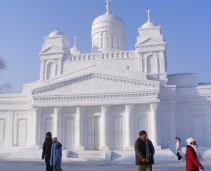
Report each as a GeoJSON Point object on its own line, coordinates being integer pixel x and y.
{"type": "Point", "coordinates": [43, 157]}
{"type": "Point", "coordinates": [201, 168]}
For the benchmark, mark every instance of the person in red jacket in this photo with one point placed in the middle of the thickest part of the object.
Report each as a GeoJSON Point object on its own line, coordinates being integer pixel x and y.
{"type": "Point", "coordinates": [192, 156]}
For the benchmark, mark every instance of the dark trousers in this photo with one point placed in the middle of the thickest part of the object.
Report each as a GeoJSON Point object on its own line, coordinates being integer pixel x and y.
{"type": "Point", "coordinates": [179, 157]}
{"type": "Point", "coordinates": [48, 167]}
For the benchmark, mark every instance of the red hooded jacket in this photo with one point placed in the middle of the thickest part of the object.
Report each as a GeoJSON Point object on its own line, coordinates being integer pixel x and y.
{"type": "Point", "coordinates": [191, 159]}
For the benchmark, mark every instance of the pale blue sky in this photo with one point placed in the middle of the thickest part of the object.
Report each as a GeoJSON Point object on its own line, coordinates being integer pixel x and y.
{"type": "Point", "coordinates": [186, 27]}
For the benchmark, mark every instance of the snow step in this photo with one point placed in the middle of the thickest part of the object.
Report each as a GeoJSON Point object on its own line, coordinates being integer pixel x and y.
{"type": "Point", "coordinates": [86, 154]}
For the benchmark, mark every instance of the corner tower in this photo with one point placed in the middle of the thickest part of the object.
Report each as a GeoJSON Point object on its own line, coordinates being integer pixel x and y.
{"type": "Point", "coordinates": [151, 49]}
{"type": "Point", "coordinates": [108, 32]}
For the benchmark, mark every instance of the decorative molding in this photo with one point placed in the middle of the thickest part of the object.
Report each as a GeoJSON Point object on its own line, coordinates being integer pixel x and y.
{"type": "Point", "coordinates": [15, 103]}
{"type": "Point", "coordinates": [196, 109]}
{"type": "Point", "coordinates": [103, 56]}
{"type": "Point", "coordinates": [97, 97]}
{"type": "Point", "coordinates": [56, 110]}
{"type": "Point", "coordinates": [104, 108]}
{"type": "Point", "coordinates": [128, 108]}
{"type": "Point", "coordinates": [91, 76]}
{"type": "Point", "coordinates": [193, 98]}
{"type": "Point", "coordinates": [153, 106]}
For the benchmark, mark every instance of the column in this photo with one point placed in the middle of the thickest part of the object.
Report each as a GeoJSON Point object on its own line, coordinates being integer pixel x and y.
{"type": "Point", "coordinates": [145, 64]}
{"type": "Point", "coordinates": [59, 70]}
{"type": "Point", "coordinates": [155, 125]}
{"type": "Point", "coordinates": [9, 129]}
{"type": "Point", "coordinates": [42, 70]}
{"type": "Point", "coordinates": [128, 113]}
{"type": "Point", "coordinates": [162, 62]}
{"type": "Point", "coordinates": [140, 58]}
{"type": "Point", "coordinates": [35, 138]}
{"type": "Point", "coordinates": [103, 128]}
{"type": "Point", "coordinates": [56, 122]}
{"type": "Point", "coordinates": [172, 126]}
{"type": "Point", "coordinates": [79, 119]}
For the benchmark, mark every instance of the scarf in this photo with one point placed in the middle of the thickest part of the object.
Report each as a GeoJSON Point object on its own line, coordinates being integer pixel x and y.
{"type": "Point", "coordinates": [199, 157]}
{"type": "Point", "coordinates": [147, 151]}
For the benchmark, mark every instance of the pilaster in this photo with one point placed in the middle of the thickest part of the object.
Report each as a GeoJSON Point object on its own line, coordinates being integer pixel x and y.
{"type": "Point", "coordinates": [9, 129]}
{"type": "Point", "coordinates": [128, 113]}
{"type": "Point", "coordinates": [172, 127]}
{"type": "Point", "coordinates": [155, 128]}
{"type": "Point", "coordinates": [35, 112]}
{"type": "Point", "coordinates": [103, 128]}
{"type": "Point", "coordinates": [79, 132]}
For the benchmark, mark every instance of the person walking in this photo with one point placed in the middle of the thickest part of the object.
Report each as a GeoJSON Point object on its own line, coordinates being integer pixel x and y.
{"type": "Point", "coordinates": [46, 151]}
{"type": "Point", "coordinates": [144, 152]}
{"type": "Point", "coordinates": [56, 155]}
{"type": "Point", "coordinates": [192, 156]}
{"type": "Point", "coordinates": [178, 148]}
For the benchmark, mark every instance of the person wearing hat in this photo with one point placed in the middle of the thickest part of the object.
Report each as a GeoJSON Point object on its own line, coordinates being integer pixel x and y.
{"type": "Point", "coordinates": [178, 141]}
{"type": "Point", "coordinates": [46, 152]}
{"type": "Point", "coordinates": [192, 156]}
{"type": "Point", "coordinates": [56, 155]}
{"type": "Point", "coordinates": [144, 152]}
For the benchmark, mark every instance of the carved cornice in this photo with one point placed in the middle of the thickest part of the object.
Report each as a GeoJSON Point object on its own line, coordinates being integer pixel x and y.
{"type": "Point", "coordinates": [193, 98]}
{"type": "Point", "coordinates": [150, 46]}
{"type": "Point", "coordinates": [25, 103]}
{"type": "Point", "coordinates": [91, 76]}
{"type": "Point", "coordinates": [97, 97]}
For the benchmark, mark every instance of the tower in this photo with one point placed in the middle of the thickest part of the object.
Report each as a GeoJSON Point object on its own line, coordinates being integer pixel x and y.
{"type": "Point", "coordinates": [151, 49]}
{"type": "Point", "coordinates": [55, 48]}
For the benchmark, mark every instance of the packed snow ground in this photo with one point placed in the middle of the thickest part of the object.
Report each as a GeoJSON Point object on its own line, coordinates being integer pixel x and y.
{"type": "Point", "coordinates": [6, 165]}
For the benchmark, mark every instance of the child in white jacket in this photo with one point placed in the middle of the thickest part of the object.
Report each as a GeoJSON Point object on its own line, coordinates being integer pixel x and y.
{"type": "Point", "coordinates": [178, 141]}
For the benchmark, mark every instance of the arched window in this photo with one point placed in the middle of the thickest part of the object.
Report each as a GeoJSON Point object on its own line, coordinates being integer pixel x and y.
{"type": "Point", "coordinates": [151, 64]}
{"type": "Point", "coordinates": [50, 70]}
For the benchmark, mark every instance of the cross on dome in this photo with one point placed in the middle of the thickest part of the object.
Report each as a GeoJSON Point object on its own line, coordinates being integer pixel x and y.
{"type": "Point", "coordinates": [108, 6]}
{"type": "Point", "coordinates": [148, 11]}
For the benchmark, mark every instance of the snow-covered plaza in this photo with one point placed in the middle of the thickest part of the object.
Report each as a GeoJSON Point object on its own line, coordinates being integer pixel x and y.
{"type": "Point", "coordinates": [7, 165]}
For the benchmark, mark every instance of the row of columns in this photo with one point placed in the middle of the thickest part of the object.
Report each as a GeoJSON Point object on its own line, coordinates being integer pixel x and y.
{"type": "Point", "coordinates": [154, 133]}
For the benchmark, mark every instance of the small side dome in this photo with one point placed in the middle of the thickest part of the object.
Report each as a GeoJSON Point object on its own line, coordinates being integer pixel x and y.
{"type": "Point", "coordinates": [75, 49]}
{"type": "Point", "coordinates": [148, 24]}
{"type": "Point", "coordinates": [56, 33]}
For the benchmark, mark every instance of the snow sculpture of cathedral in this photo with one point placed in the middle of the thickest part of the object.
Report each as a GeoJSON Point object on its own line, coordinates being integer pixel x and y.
{"type": "Point", "coordinates": [101, 100]}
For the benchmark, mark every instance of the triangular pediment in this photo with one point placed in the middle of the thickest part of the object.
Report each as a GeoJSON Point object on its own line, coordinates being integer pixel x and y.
{"type": "Point", "coordinates": [96, 83]}
{"type": "Point", "coordinates": [52, 49]}
{"type": "Point", "coordinates": [149, 41]}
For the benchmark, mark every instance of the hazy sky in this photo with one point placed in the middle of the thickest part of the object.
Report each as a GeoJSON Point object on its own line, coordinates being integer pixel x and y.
{"type": "Point", "coordinates": [186, 27]}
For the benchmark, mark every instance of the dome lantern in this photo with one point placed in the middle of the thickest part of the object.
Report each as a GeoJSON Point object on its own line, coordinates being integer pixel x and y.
{"type": "Point", "coordinates": [108, 32]}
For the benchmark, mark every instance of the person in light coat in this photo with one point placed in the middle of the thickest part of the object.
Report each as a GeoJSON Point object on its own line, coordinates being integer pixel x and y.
{"type": "Point", "coordinates": [178, 148]}
{"type": "Point", "coordinates": [56, 155]}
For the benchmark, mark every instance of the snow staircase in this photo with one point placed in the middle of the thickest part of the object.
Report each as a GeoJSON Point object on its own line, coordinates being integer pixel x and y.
{"type": "Point", "coordinates": [86, 154]}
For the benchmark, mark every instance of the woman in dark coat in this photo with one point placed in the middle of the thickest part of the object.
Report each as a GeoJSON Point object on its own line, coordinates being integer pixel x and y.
{"type": "Point", "coordinates": [46, 153]}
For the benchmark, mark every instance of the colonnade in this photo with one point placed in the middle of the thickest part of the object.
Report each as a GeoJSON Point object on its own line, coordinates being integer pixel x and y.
{"type": "Point", "coordinates": [104, 145]}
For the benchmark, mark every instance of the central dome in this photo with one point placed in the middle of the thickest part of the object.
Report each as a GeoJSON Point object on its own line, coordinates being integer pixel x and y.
{"type": "Point", "coordinates": [108, 19]}
{"type": "Point", "coordinates": [108, 33]}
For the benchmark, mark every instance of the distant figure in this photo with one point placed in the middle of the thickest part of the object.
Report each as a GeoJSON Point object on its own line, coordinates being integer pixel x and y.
{"type": "Point", "coordinates": [192, 156]}
{"type": "Point", "coordinates": [46, 151]}
{"type": "Point", "coordinates": [56, 155]}
{"type": "Point", "coordinates": [144, 152]}
{"type": "Point", "coordinates": [178, 148]}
